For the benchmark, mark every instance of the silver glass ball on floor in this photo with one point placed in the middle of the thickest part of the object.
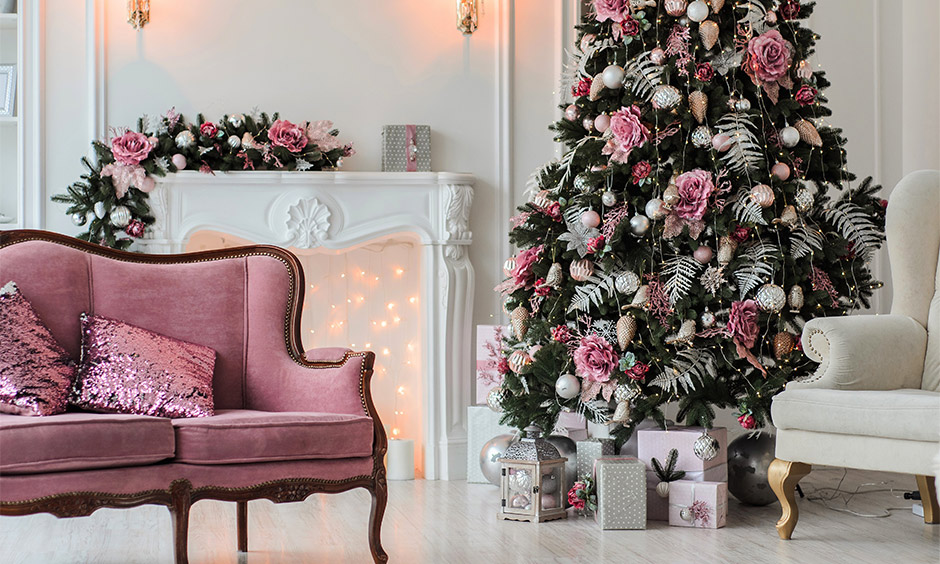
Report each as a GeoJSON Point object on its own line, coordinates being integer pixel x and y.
{"type": "Point", "coordinates": [492, 451]}
{"type": "Point", "coordinates": [748, 461]}
{"type": "Point", "coordinates": [567, 448]}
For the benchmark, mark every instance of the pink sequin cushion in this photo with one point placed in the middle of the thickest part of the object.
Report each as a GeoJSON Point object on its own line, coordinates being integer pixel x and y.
{"type": "Point", "coordinates": [35, 372]}
{"type": "Point", "coordinates": [127, 369]}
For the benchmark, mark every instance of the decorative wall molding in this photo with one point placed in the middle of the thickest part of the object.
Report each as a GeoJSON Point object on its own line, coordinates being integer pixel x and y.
{"type": "Point", "coordinates": [343, 210]}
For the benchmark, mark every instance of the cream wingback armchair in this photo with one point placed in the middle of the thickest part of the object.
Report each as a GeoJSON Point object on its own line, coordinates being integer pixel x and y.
{"type": "Point", "coordinates": [874, 402]}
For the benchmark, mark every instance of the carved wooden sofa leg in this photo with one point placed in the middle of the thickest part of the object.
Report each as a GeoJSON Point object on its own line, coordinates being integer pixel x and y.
{"type": "Point", "coordinates": [379, 491]}
{"type": "Point", "coordinates": [928, 497]}
{"type": "Point", "coordinates": [783, 476]}
{"type": "Point", "coordinates": [242, 518]}
{"type": "Point", "coordinates": [179, 511]}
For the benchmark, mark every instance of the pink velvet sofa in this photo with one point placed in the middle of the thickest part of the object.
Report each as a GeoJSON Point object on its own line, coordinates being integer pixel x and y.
{"type": "Point", "coordinates": [287, 424]}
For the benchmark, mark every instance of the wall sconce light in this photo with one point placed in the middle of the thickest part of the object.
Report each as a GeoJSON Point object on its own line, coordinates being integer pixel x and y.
{"type": "Point", "coordinates": [138, 13]}
{"type": "Point", "coordinates": [468, 13]}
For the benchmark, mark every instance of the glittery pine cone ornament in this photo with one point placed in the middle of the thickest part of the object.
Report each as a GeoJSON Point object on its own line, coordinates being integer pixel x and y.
{"type": "Point", "coordinates": [808, 133]}
{"type": "Point", "coordinates": [519, 320]}
{"type": "Point", "coordinates": [784, 343]}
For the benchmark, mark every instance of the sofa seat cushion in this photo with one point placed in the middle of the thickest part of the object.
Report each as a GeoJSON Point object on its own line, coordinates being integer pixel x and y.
{"type": "Point", "coordinates": [82, 441]}
{"type": "Point", "coordinates": [234, 436]}
{"type": "Point", "coordinates": [892, 414]}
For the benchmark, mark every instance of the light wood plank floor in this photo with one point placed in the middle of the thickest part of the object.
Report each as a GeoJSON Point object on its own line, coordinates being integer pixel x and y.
{"type": "Point", "coordinates": [454, 522]}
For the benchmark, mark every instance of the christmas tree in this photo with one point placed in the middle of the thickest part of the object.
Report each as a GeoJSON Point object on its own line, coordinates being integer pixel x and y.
{"type": "Point", "coordinates": [701, 214]}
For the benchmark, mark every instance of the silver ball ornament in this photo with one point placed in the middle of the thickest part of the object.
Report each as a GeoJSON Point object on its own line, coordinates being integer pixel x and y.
{"type": "Point", "coordinates": [666, 97]}
{"type": "Point", "coordinates": [567, 386]}
{"type": "Point", "coordinates": [492, 451]}
{"type": "Point", "coordinates": [742, 105]}
{"type": "Point", "coordinates": [789, 136]}
{"type": "Point", "coordinates": [625, 393]}
{"type": "Point", "coordinates": [587, 123]}
{"type": "Point", "coordinates": [236, 120]}
{"type": "Point", "coordinates": [771, 297]}
{"type": "Point", "coordinates": [100, 210]}
{"type": "Point", "coordinates": [685, 514]}
{"type": "Point", "coordinates": [627, 282]}
{"type": "Point", "coordinates": [608, 198]}
{"type": "Point", "coordinates": [79, 219]}
{"type": "Point", "coordinates": [749, 458]}
{"type": "Point", "coordinates": [549, 485]}
{"type": "Point", "coordinates": [684, 21]}
{"type": "Point", "coordinates": [706, 447]}
{"type": "Point", "coordinates": [613, 76]}
{"type": "Point", "coordinates": [234, 142]}
{"type": "Point", "coordinates": [120, 216]}
{"type": "Point", "coordinates": [702, 136]}
{"type": "Point", "coordinates": [639, 225]}
{"type": "Point", "coordinates": [656, 209]}
{"type": "Point", "coordinates": [708, 319]}
{"type": "Point", "coordinates": [582, 182]}
{"type": "Point", "coordinates": [804, 200]}
{"type": "Point", "coordinates": [494, 399]}
{"type": "Point", "coordinates": [185, 139]}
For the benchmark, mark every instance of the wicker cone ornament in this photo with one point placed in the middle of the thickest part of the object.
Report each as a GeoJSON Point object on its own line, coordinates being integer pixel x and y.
{"type": "Point", "coordinates": [784, 343]}
{"type": "Point", "coordinates": [626, 330]}
{"type": "Point", "coordinates": [555, 276]}
{"type": "Point", "coordinates": [708, 31]}
{"type": "Point", "coordinates": [597, 86]}
{"type": "Point", "coordinates": [717, 5]}
{"type": "Point", "coordinates": [519, 319]}
{"type": "Point", "coordinates": [808, 133]}
{"type": "Point", "coordinates": [698, 103]}
{"type": "Point", "coordinates": [726, 248]}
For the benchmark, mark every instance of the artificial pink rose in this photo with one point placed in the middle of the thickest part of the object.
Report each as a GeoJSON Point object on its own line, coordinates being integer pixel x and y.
{"type": "Point", "coordinates": [208, 129]}
{"type": "Point", "coordinates": [742, 323]}
{"type": "Point", "coordinates": [131, 148]}
{"type": "Point", "coordinates": [630, 26]}
{"type": "Point", "coordinates": [747, 421]}
{"type": "Point", "coordinates": [561, 334]}
{"type": "Point", "coordinates": [135, 228]}
{"type": "Point", "coordinates": [695, 187]}
{"type": "Point", "coordinates": [283, 133]}
{"type": "Point", "coordinates": [525, 260]}
{"type": "Point", "coordinates": [595, 244]}
{"type": "Point", "coordinates": [573, 498]}
{"type": "Point", "coordinates": [638, 371]}
{"type": "Point", "coordinates": [553, 210]}
{"type": "Point", "coordinates": [612, 10]}
{"type": "Point", "coordinates": [806, 95]}
{"type": "Point", "coordinates": [740, 234]}
{"type": "Point", "coordinates": [641, 170]}
{"type": "Point", "coordinates": [595, 359]}
{"type": "Point", "coordinates": [627, 128]}
{"type": "Point", "coordinates": [582, 88]}
{"type": "Point", "coordinates": [768, 56]}
{"type": "Point", "coordinates": [790, 9]}
{"type": "Point", "coordinates": [704, 72]}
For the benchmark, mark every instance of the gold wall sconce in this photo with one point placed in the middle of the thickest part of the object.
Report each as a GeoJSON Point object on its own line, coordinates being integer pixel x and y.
{"type": "Point", "coordinates": [138, 13]}
{"type": "Point", "coordinates": [468, 13]}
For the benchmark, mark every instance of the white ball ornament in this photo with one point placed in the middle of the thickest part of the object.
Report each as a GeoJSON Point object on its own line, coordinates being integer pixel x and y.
{"type": "Point", "coordinates": [639, 225]}
{"type": "Point", "coordinates": [567, 386]}
{"type": "Point", "coordinates": [572, 113]}
{"type": "Point", "coordinates": [590, 219]}
{"type": "Point", "coordinates": [185, 139]}
{"type": "Point", "coordinates": [608, 198]}
{"type": "Point", "coordinates": [627, 282]}
{"type": "Point", "coordinates": [789, 136]}
{"type": "Point", "coordinates": [613, 76]}
{"type": "Point", "coordinates": [236, 120]}
{"type": "Point", "coordinates": [708, 319]}
{"type": "Point", "coordinates": [99, 210]}
{"type": "Point", "coordinates": [179, 161]}
{"type": "Point", "coordinates": [656, 209]}
{"type": "Point", "coordinates": [120, 216]}
{"type": "Point", "coordinates": [494, 399]}
{"type": "Point", "coordinates": [601, 123]}
{"type": "Point", "coordinates": [234, 142]}
{"type": "Point", "coordinates": [771, 297]}
{"type": "Point", "coordinates": [587, 123]}
{"type": "Point", "coordinates": [697, 11]}
{"type": "Point", "coordinates": [702, 136]}
{"type": "Point", "coordinates": [742, 105]}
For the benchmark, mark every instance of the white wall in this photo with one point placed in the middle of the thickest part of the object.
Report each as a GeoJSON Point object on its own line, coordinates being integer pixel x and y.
{"type": "Point", "coordinates": [488, 98]}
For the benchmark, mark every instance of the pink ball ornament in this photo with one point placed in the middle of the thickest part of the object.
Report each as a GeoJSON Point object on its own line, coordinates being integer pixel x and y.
{"type": "Point", "coordinates": [721, 142]}
{"type": "Point", "coordinates": [147, 185]}
{"type": "Point", "coordinates": [549, 502]}
{"type": "Point", "coordinates": [590, 219]}
{"type": "Point", "coordinates": [601, 123]}
{"type": "Point", "coordinates": [587, 123]}
{"type": "Point", "coordinates": [179, 161]}
{"type": "Point", "coordinates": [703, 254]}
{"type": "Point", "coordinates": [658, 56]}
{"type": "Point", "coordinates": [781, 171]}
{"type": "Point", "coordinates": [572, 113]}
{"type": "Point", "coordinates": [534, 349]}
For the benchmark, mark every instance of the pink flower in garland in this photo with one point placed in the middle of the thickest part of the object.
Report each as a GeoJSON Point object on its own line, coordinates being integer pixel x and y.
{"type": "Point", "coordinates": [131, 148]}
{"type": "Point", "coordinates": [135, 228]}
{"type": "Point", "coordinates": [806, 95]}
{"type": "Point", "coordinates": [641, 171]}
{"type": "Point", "coordinates": [747, 421]}
{"type": "Point", "coordinates": [561, 334]}
{"type": "Point", "coordinates": [695, 188]}
{"type": "Point", "coordinates": [582, 88]}
{"type": "Point", "coordinates": [595, 359]}
{"type": "Point", "coordinates": [740, 234]}
{"type": "Point", "coordinates": [629, 133]}
{"type": "Point", "coordinates": [768, 62]}
{"type": "Point", "coordinates": [208, 129]}
{"type": "Point", "coordinates": [612, 10]}
{"type": "Point", "coordinates": [124, 177]}
{"type": "Point", "coordinates": [320, 133]}
{"type": "Point", "coordinates": [522, 274]}
{"type": "Point", "coordinates": [704, 72]}
{"type": "Point", "coordinates": [742, 323]}
{"type": "Point", "coordinates": [283, 133]}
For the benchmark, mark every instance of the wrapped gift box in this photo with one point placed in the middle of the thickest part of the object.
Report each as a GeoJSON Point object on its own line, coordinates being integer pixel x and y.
{"type": "Point", "coordinates": [706, 502]}
{"type": "Point", "coordinates": [482, 425]}
{"type": "Point", "coordinates": [589, 451]}
{"type": "Point", "coordinates": [489, 343]}
{"type": "Point", "coordinates": [621, 493]}
{"type": "Point", "coordinates": [656, 443]}
{"type": "Point", "coordinates": [657, 508]}
{"type": "Point", "coordinates": [571, 425]}
{"type": "Point", "coordinates": [406, 148]}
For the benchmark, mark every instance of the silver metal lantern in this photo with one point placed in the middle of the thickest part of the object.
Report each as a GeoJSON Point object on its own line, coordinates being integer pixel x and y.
{"type": "Point", "coordinates": [532, 480]}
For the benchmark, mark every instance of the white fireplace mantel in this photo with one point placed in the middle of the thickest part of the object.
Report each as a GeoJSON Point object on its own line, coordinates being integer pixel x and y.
{"type": "Point", "coordinates": [341, 210]}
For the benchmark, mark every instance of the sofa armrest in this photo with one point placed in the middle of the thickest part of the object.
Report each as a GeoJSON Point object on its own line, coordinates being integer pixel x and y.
{"type": "Point", "coordinates": [864, 352]}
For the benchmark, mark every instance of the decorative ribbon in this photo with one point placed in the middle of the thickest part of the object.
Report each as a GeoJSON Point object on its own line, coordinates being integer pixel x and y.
{"type": "Point", "coordinates": [411, 148]}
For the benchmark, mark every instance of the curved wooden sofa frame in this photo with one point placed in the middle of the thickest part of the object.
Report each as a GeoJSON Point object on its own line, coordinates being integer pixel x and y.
{"type": "Point", "coordinates": [180, 495]}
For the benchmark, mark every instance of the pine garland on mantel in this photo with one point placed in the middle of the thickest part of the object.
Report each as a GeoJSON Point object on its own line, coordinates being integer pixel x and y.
{"type": "Point", "coordinates": [111, 197]}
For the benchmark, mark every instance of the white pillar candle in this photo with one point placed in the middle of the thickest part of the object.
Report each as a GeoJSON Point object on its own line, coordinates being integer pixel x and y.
{"type": "Point", "coordinates": [401, 459]}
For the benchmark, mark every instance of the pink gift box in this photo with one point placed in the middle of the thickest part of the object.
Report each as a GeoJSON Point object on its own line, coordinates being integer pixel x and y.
{"type": "Point", "coordinates": [571, 425]}
{"type": "Point", "coordinates": [657, 508]}
{"type": "Point", "coordinates": [704, 503]}
{"type": "Point", "coordinates": [656, 443]}
{"type": "Point", "coordinates": [488, 355]}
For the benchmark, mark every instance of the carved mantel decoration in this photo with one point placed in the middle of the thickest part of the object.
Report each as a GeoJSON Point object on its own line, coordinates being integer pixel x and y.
{"type": "Point", "coordinates": [341, 210]}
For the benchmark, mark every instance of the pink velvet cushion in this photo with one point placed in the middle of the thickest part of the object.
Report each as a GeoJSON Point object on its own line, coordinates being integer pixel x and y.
{"type": "Point", "coordinates": [236, 436]}
{"type": "Point", "coordinates": [35, 372]}
{"type": "Point", "coordinates": [128, 369]}
{"type": "Point", "coordinates": [80, 441]}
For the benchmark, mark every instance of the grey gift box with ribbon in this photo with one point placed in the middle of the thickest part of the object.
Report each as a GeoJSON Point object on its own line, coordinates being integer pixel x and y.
{"type": "Point", "coordinates": [589, 451]}
{"type": "Point", "coordinates": [621, 493]}
{"type": "Point", "coordinates": [406, 148]}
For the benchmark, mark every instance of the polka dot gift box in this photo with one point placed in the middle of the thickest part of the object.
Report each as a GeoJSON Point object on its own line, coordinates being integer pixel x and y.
{"type": "Point", "coordinates": [406, 148]}
{"type": "Point", "coordinates": [621, 493]}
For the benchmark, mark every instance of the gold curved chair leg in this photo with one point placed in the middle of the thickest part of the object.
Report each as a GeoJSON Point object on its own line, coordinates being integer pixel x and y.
{"type": "Point", "coordinates": [928, 497]}
{"type": "Point", "coordinates": [783, 476]}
